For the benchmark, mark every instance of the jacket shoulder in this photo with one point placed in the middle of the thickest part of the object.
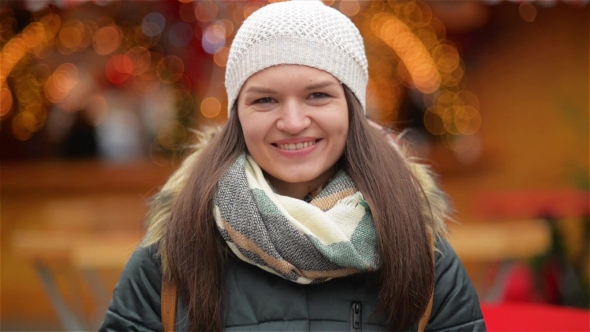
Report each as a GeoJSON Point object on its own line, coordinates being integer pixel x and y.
{"type": "Point", "coordinates": [456, 305]}
{"type": "Point", "coordinates": [135, 305]}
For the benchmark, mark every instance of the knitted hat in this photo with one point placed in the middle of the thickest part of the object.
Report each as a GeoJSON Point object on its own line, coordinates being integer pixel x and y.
{"type": "Point", "coordinates": [298, 32]}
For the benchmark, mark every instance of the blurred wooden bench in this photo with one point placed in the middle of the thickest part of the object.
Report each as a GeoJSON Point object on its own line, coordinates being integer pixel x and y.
{"type": "Point", "coordinates": [87, 252]}
{"type": "Point", "coordinates": [79, 252]}
{"type": "Point", "coordinates": [495, 246]}
{"type": "Point", "coordinates": [497, 241]}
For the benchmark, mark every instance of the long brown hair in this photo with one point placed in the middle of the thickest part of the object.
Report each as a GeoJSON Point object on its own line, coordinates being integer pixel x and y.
{"type": "Point", "coordinates": [195, 252]}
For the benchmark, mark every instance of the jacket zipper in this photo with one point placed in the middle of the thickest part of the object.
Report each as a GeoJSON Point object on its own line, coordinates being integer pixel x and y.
{"type": "Point", "coordinates": [356, 310]}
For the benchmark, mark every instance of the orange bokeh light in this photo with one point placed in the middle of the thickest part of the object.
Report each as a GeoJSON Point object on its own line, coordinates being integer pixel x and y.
{"type": "Point", "coordinates": [141, 59]}
{"type": "Point", "coordinates": [6, 103]}
{"type": "Point", "coordinates": [61, 82]}
{"type": "Point", "coordinates": [119, 68]}
{"type": "Point", "coordinates": [206, 11]}
{"type": "Point", "coordinates": [210, 107]}
{"type": "Point", "coordinates": [350, 7]}
{"type": "Point", "coordinates": [220, 57]}
{"type": "Point", "coordinates": [107, 40]}
{"type": "Point", "coordinates": [170, 69]}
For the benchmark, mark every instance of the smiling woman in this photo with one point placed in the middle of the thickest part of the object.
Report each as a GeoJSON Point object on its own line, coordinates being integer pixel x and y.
{"type": "Point", "coordinates": [298, 214]}
{"type": "Point", "coordinates": [295, 124]}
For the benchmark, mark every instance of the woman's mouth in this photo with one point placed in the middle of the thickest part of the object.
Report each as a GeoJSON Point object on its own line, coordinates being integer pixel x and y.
{"type": "Point", "coordinates": [296, 146]}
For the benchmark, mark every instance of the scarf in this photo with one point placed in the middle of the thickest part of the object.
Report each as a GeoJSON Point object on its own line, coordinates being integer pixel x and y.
{"type": "Point", "coordinates": [331, 236]}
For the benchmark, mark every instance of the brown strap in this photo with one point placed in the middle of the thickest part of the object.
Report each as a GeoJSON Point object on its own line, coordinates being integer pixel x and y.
{"type": "Point", "coordinates": [426, 316]}
{"type": "Point", "coordinates": [168, 306]}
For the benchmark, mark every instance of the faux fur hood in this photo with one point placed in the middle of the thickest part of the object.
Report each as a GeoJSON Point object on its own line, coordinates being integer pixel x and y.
{"type": "Point", "coordinates": [434, 203]}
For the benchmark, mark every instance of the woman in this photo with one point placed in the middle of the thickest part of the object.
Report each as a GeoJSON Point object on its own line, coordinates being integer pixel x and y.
{"type": "Point", "coordinates": [298, 214]}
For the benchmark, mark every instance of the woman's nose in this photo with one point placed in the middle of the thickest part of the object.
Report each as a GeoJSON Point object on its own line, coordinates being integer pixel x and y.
{"type": "Point", "coordinates": [293, 118]}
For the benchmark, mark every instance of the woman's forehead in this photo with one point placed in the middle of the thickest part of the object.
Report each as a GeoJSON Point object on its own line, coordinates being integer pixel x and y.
{"type": "Point", "coordinates": [292, 74]}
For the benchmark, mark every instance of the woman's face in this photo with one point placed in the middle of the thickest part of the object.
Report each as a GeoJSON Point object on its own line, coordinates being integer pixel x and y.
{"type": "Point", "coordinates": [295, 124]}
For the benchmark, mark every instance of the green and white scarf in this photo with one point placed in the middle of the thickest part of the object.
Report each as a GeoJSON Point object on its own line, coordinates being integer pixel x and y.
{"type": "Point", "coordinates": [332, 236]}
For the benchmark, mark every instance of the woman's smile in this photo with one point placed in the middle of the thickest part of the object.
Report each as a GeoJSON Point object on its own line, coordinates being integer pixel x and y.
{"type": "Point", "coordinates": [295, 146]}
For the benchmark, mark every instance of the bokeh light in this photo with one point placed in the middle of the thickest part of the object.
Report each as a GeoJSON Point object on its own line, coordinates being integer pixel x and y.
{"type": "Point", "coordinates": [35, 35]}
{"type": "Point", "coordinates": [206, 11]}
{"type": "Point", "coordinates": [172, 135]}
{"type": "Point", "coordinates": [350, 7]}
{"type": "Point", "coordinates": [7, 26]}
{"type": "Point", "coordinates": [107, 40]}
{"type": "Point", "coordinates": [412, 52]}
{"type": "Point", "coordinates": [153, 24]}
{"type": "Point", "coordinates": [6, 104]}
{"type": "Point", "coordinates": [71, 37]}
{"type": "Point", "coordinates": [214, 37]}
{"type": "Point", "coordinates": [170, 69]}
{"type": "Point", "coordinates": [220, 57]}
{"type": "Point", "coordinates": [119, 68]}
{"type": "Point", "coordinates": [447, 58]}
{"type": "Point", "coordinates": [19, 130]}
{"type": "Point", "coordinates": [210, 107]}
{"type": "Point", "coordinates": [61, 82]}
{"type": "Point", "coordinates": [527, 11]}
{"type": "Point", "coordinates": [34, 117]}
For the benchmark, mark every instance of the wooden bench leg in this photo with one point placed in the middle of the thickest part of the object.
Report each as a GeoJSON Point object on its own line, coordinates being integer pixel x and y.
{"type": "Point", "coordinates": [67, 317]}
{"type": "Point", "coordinates": [495, 292]}
{"type": "Point", "coordinates": [100, 294]}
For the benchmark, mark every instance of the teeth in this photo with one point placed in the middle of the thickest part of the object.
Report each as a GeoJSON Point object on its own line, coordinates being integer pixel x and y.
{"type": "Point", "coordinates": [297, 146]}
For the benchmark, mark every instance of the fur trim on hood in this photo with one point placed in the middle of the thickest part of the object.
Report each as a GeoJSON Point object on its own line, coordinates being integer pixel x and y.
{"type": "Point", "coordinates": [435, 204]}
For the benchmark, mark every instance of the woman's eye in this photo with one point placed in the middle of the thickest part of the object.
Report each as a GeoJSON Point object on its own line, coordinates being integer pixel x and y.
{"type": "Point", "coordinates": [318, 95]}
{"type": "Point", "coordinates": [265, 100]}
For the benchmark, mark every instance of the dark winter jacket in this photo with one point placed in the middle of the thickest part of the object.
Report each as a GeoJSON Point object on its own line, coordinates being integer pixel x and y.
{"type": "Point", "coordinates": [260, 301]}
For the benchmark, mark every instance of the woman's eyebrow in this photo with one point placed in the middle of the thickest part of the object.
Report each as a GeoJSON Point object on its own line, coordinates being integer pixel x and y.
{"type": "Point", "coordinates": [256, 89]}
{"type": "Point", "coordinates": [320, 85]}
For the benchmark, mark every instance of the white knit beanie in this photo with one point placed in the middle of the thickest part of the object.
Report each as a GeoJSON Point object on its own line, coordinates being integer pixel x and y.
{"type": "Point", "coordinates": [298, 32]}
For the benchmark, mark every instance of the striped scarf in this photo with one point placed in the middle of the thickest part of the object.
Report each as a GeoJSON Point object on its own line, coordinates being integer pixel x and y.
{"type": "Point", "coordinates": [332, 236]}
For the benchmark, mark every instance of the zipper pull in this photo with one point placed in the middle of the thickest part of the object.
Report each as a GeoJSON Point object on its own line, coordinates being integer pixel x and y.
{"type": "Point", "coordinates": [356, 317]}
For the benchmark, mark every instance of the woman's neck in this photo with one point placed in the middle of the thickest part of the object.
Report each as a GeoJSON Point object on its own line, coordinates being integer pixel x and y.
{"type": "Point", "coordinates": [300, 190]}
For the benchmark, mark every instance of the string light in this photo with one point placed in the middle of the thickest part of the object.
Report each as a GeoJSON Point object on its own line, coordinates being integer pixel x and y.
{"type": "Point", "coordinates": [417, 56]}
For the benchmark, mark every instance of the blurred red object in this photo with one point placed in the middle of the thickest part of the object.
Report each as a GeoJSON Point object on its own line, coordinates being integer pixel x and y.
{"type": "Point", "coordinates": [519, 286]}
{"type": "Point", "coordinates": [534, 317]}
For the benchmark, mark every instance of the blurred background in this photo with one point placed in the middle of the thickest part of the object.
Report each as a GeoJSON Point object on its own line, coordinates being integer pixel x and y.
{"type": "Point", "coordinates": [99, 100]}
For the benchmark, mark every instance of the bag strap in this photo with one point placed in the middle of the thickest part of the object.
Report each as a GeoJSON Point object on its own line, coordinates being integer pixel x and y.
{"type": "Point", "coordinates": [426, 317]}
{"type": "Point", "coordinates": [168, 305]}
